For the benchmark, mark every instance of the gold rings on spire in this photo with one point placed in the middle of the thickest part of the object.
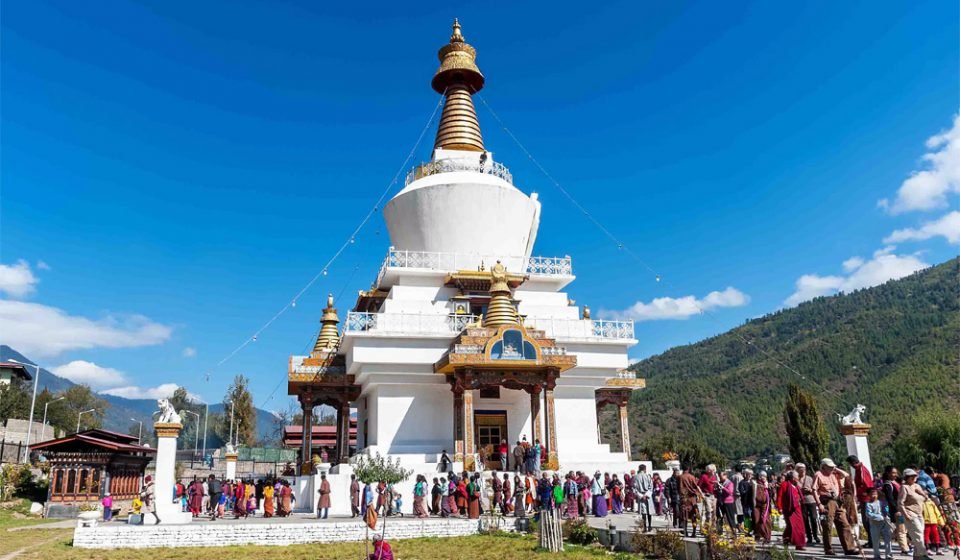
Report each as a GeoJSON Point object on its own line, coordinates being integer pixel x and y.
{"type": "Point", "coordinates": [329, 337]}
{"type": "Point", "coordinates": [500, 310]}
{"type": "Point", "coordinates": [458, 78]}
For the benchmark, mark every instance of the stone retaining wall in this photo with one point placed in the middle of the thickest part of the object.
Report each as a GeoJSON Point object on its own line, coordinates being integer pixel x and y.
{"type": "Point", "coordinates": [265, 533]}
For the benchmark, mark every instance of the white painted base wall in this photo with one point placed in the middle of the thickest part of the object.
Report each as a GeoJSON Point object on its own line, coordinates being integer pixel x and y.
{"type": "Point", "coordinates": [116, 535]}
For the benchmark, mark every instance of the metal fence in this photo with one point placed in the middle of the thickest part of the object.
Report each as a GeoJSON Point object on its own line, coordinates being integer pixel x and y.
{"type": "Point", "coordinates": [11, 452]}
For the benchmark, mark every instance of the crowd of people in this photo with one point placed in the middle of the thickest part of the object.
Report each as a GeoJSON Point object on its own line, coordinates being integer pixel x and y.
{"type": "Point", "coordinates": [241, 498]}
{"type": "Point", "coordinates": [916, 510]}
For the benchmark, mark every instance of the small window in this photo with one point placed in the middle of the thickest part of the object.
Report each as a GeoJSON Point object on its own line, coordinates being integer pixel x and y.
{"type": "Point", "coordinates": [71, 482]}
{"type": "Point", "coordinates": [83, 482]}
{"type": "Point", "coordinates": [490, 393]}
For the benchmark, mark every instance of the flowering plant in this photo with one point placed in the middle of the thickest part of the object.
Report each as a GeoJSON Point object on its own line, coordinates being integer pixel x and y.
{"type": "Point", "coordinates": [669, 456]}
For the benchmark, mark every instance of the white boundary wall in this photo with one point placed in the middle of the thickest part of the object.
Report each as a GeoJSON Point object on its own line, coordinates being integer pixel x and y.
{"type": "Point", "coordinates": [279, 533]}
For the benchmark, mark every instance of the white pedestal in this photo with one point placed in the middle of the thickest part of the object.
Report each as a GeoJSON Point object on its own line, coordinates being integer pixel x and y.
{"type": "Point", "coordinates": [856, 436]}
{"type": "Point", "coordinates": [231, 459]}
{"type": "Point", "coordinates": [168, 511]}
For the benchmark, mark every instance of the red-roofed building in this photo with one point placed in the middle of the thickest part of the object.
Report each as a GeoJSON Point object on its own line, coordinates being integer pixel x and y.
{"type": "Point", "coordinates": [86, 465]}
{"type": "Point", "coordinates": [323, 437]}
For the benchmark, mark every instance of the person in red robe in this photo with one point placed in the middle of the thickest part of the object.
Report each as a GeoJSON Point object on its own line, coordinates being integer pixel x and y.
{"type": "Point", "coordinates": [195, 491]}
{"type": "Point", "coordinates": [792, 510]}
{"type": "Point", "coordinates": [239, 502]}
{"type": "Point", "coordinates": [381, 550]}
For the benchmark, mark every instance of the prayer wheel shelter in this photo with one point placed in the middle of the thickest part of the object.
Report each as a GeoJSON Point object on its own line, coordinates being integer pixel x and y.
{"type": "Point", "coordinates": [86, 465]}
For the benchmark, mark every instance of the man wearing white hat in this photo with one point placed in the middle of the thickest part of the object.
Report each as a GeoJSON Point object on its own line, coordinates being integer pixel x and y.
{"type": "Point", "coordinates": [826, 487]}
{"type": "Point", "coordinates": [910, 504]}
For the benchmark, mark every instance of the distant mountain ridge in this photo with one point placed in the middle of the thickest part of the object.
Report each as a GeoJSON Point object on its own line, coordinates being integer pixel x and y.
{"type": "Point", "coordinates": [892, 348]}
{"type": "Point", "coordinates": [123, 411]}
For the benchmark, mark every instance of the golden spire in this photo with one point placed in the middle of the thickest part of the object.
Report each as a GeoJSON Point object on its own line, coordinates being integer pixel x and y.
{"type": "Point", "coordinates": [458, 78]}
{"type": "Point", "coordinates": [329, 337]}
{"type": "Point", "coordinates": [500, 311]}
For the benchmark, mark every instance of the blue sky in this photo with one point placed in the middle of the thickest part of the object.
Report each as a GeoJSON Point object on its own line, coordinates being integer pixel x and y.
{"type": "Point", "coordinates": [172, 173]}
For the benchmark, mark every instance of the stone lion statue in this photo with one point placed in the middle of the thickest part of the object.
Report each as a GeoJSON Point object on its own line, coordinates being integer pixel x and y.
{"type": "Point", "coordinates": [168, 415]}
{"type": "Point", "coordinates": [854, 417]}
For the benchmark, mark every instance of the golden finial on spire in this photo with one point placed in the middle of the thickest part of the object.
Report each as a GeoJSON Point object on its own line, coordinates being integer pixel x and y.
{"type": "Point", "coordinates": [456, 37]}
{"type": "Point", "coordinates": [458, 78]}
{"type": "Point", "coordinates": [329, 336]}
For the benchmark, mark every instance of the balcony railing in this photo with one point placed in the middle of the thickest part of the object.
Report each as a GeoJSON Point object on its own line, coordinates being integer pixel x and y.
{"type": "Point", "coordinates": [582, 329]}
{"type": "Point", "coordinates": [450, 262]}
{"type": "Point", "coordinates": [451, 165]}
{"type": "Point", "coordinates": [407, 323]}
{"type": "Point", "coordinates": [423, 323]}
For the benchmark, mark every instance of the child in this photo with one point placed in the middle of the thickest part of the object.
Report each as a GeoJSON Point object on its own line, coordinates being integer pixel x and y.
{"type": "Point", "coordinates": [879, 525]}
{"type": "Point", "coordinates": [107, 503]}
{"type": "Point", "coordinates": [932, 521]}
{"type": "Point", "coordinates": [137, 505]}
{"type": "Point", "coordinates": [397, 504]}
{"type": "Point", "coordinates": [220, 505]}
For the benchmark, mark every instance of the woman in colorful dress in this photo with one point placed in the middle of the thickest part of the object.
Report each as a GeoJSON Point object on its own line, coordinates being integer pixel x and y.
{"type": "Point", "coordinates": [519, 495]}
{"type": "Point", "coordinates": [598, 491]}
{"type": "Point", "coordinates": [658, 488]}
{"type": "Point", "coordinates": [473, 497]}
{"type": "Point", "coordinates": [615, 488]}
{"type": "Point", "coordinates": [268, 500]}
{"type": "Point", "coordinates": [419, 491]}
{"type": "Point", "coordinates": [628, 492]}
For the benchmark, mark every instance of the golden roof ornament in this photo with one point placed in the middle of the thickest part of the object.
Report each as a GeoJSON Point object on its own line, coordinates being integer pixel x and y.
{"type": "Point", "coordinates": [458, 78]}
{"type": "Point", "coordinates": [500, 310]}
{"type": "Point", "coordinates": [329, 336]}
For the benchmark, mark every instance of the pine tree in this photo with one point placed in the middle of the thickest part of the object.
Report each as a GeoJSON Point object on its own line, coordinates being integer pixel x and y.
{"type": "Point", "coordinates": [806, 434]}
{"type": "Point", "coordinates": [239, 399]}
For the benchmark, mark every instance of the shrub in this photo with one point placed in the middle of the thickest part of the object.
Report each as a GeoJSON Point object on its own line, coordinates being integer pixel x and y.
{"type": "Point", "coordinates": [380, 469]}
{"type": "Point", "coordinates": [662, 545]}
{"type": "Point", "coordinates": [16, 481]}
{"type": "Point", "coordinates": [578, 531]}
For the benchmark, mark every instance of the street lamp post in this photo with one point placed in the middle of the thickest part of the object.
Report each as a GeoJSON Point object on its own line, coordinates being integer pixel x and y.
{"type": "Point", "coordinates": [140, 431]}
{"type": "Point", "coordinates": [43, 425]}
{"type": "Point", "coordinates": [82, 412]}
{"type": "Point", "coordinates": [196, 440]}
{"type": "Point", "coordinates": [206, 414]}
{"type": "Point", "coordinates": [231, 421]}
{"type": "Point", "coordinates": [33, 403]}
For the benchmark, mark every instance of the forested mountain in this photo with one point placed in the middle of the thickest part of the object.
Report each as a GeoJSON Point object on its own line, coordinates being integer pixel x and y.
{"type": "Point", "coordinates": [893, 348]}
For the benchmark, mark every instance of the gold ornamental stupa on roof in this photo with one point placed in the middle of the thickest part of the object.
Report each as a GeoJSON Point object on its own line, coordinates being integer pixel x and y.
{"type": "Point", "coordinates": [458, 78]}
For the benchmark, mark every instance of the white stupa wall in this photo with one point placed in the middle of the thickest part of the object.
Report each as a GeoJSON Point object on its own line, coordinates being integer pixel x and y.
{"type": "Point", "coordinates": [464, 212]}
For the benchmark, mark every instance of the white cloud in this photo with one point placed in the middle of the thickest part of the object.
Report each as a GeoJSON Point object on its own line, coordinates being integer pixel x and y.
{"type": "Point", "coordinates": [852, 264]}
{"type": "Point", "coordinates": [189, 352]}
{"type": "Point", "coordinates": [684, 307]}
{"type": "Point", "coordinates": [42, 265]}
{"type": "Point", "coordinates": [81, 371]}
{"type": "Point", "coordinates": [17, 280]}
{"type": "Point", "coordinates": [162, 391]}
{"type": "Point", "coordinates": [43, 331]}
{"type": "Point", "coordinates": [927, 189]}
{"type": "Point", "coordinates": [884, 266]}
{"type": "Point", "coordinates": [947, 226]}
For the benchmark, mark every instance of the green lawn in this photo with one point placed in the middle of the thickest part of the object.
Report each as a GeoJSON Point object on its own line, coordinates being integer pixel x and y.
{"type": "Point", "coordinates": [468, 548]}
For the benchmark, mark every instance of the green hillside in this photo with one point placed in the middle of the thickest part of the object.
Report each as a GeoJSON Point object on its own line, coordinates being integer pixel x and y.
{"type": "Point", "coordinates": [893, 348]}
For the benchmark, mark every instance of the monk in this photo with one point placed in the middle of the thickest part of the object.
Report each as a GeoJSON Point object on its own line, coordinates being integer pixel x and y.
{"type": "Point", "coordinates": [507, 504]}
{"type": "Point", "coordinates": [794, 533]}
{"type": "Point", "coordinates": [323, 504]}
{"type": "Point", "coordinates": [690, 496]}
{"type": "Point", "coordinates": [762, 505]}
{"type": "Point", "coordinates": [239, 500]}
{"type": "Point", "coordinates": [268, 500]}
{"type": "Point", "coordinates": [473, 498]}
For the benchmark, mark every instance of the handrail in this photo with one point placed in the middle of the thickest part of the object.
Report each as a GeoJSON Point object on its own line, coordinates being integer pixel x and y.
{"type": "Point", "coordinates": [451, 165]}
